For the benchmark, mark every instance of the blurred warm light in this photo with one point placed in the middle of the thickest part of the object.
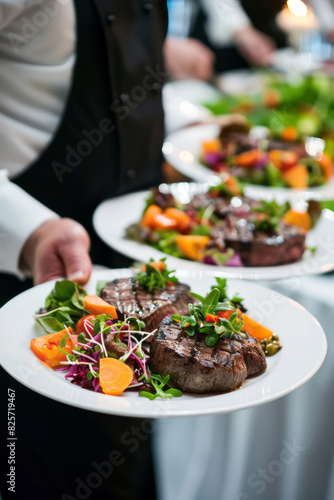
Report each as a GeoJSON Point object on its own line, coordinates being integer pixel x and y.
{"type": "Point", "coordinates": [186, 157]}
{"type": "Point", "coordinates": [297, 7]}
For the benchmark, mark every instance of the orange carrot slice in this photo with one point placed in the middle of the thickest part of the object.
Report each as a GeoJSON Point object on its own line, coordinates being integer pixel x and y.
{"type": "Point", "coordinates": [255, 329]}
{"type": "Point", "coordinates": [115, 376]}
{"type": "Point", "coordinates": [95, 305]}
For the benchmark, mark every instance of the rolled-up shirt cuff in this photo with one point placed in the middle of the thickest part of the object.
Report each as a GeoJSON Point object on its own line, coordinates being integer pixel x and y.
{"type": "Point", "coordinates": [224, 19]}
{"type": "Point", "coordinates": [20, 216]}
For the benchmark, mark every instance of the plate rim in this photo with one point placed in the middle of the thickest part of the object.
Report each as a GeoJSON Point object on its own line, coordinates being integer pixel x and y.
{"type": "Point", "coordinates": [249, 273]}
{"type": "Point", "coordinates": [175, 413]}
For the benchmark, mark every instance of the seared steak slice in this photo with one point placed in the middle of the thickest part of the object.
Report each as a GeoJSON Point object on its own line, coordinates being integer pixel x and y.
{"type": "Point", "coordinates": [129, 299]}
{"type": "Point", "coordinates": [237, 231]}
{"type": "Point", "coordinates": [257, 248]}
{"type": "Point", "coordinates": [195, 367]}
{"type": "Point", "coordinates": [113, 347]}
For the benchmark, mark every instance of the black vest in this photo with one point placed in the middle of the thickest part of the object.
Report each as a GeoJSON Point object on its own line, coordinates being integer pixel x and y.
{"type": "Point", "coordinates": [109, 140]}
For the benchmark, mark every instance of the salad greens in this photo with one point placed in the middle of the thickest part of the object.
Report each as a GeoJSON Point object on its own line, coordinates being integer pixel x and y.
{"type": "Point", "coordinates": [63, 307]}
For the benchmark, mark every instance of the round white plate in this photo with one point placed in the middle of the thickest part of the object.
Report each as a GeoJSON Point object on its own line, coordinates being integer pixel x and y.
{"type": "Point", "coordinates": [304, 349]}
{"type": "Point", "coordinates": [182, 150]}
{"type": "Point", "coordinates": [113, 216]}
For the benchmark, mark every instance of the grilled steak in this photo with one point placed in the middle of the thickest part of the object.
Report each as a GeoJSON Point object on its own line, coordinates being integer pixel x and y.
{"type": "Point", "coordinates": [129, 299]}
{"type": "Point", "coordinates": [237, 231]}
{"type": "Point", "coordinates": [195, 367]}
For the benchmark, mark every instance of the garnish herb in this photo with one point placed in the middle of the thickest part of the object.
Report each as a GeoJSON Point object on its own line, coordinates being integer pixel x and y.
{"type": "Point", "coordinates": [236, 300]}
{"type": "Point", "coordinates": [155, 275]}
{"type": "Point", "coordinates": [211, 317]}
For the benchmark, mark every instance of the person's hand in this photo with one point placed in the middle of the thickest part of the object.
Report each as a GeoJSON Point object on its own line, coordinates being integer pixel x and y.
{"type": "Point", "coordinates": [188, 58]}
{"type": "Point", "coordinates": [256, 47]}
{"type": "Point", "coordinates": [57, 249]}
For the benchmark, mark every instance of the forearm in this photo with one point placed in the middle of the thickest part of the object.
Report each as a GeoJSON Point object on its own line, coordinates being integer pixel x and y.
{"type": "Point", "coordinates": [20, 216]}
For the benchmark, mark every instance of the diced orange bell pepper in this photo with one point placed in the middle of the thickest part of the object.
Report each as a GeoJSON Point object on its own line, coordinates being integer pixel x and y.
{"type": "Point", "coordinates": [225, 314]}
{"type": "Point", "coordinates": [296, 177]}
{"type": "Point", "coordinates": [95, 305]}
{"type": "Point", "coordinates": [47, 350]}
{"type": "Point", "coordinates": [192, 246]}
{"type": "Point", "coordinates": [255, 329]}
{"type": "Point", "coordinates": [301, 219]}
{"type": "Point", "coordinates": [147, 219]}
{"type": "Point", "coordinates": [210, 318]}
{"type": "Point", "coordinates": [183, 220]}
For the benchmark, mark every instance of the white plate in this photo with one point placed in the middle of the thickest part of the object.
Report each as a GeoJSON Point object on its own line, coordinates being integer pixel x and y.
{"type": "Point", "coordinates": [304, 349]}
{"type": "Point", "coordinates": [112, 217]}
{"type": "Point", "coordinates": [182, 103]}
{"type": "Point", "coordinates": [182, 150]}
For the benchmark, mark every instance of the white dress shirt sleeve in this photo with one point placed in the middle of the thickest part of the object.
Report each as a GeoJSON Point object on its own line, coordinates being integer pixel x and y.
{"type": "Point", "coordinates": [20, 216]}
{"type": "Point", "coordinates": [324, 10]}
{"type": "Point", "coordinates": [224, 19]}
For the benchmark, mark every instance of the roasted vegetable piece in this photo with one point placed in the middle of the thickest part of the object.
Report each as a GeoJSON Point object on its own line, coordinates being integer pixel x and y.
{"type": "Point", "coordinates": [255, 329]}
{"type": "Point", "coordinates": [95, 305]}
{"type": "Point", "coordinates": [183, 220]}
{"type": "Point", "coordinates": [147, 219]}
{"type": "Point", "coordinates": [296, 177]}
{"type": "Point", "coordinates": [115, 376]}
{"type": "Point", "coordinates": [326, 164]}
{"type": "Point", "coordinates": [301, 219]}
{"type": "Point", "coordinates": [192, 246]}
{"type": "Point", "coordinates": [46, 348]}
{"type": "Point", "coordinates": [248, 159]}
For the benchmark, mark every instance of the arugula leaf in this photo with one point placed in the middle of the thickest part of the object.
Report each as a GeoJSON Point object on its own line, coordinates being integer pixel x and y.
{"type": "Point", "coordinates": [157, 382]}
{"type": "Point", "coordinates": [64, 307]}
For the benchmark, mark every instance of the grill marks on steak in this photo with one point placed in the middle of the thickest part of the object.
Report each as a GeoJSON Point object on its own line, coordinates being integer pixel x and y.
{"type": "Point", "coordinates": [129, 299]}
{"type": "Point", "coordinates": [237, 231]}
{"type": "Point", "coordinates": [195, 367]}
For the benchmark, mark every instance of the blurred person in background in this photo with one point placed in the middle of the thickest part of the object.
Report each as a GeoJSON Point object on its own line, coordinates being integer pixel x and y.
{"type": "Point", "coordinates": [81, 121]}
{"type": "Point", "coordinates": [236, 34]}
{"type": "Point", "coordinates": [324, 10]}
{"type": "Point", "coordinates": [240, 33]}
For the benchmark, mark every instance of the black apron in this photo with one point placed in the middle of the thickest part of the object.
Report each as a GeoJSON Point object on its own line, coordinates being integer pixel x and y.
{"type": "Point", "coordinates": [108, 143]}
{"type": "Point", "coordinates": [262, 14]}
